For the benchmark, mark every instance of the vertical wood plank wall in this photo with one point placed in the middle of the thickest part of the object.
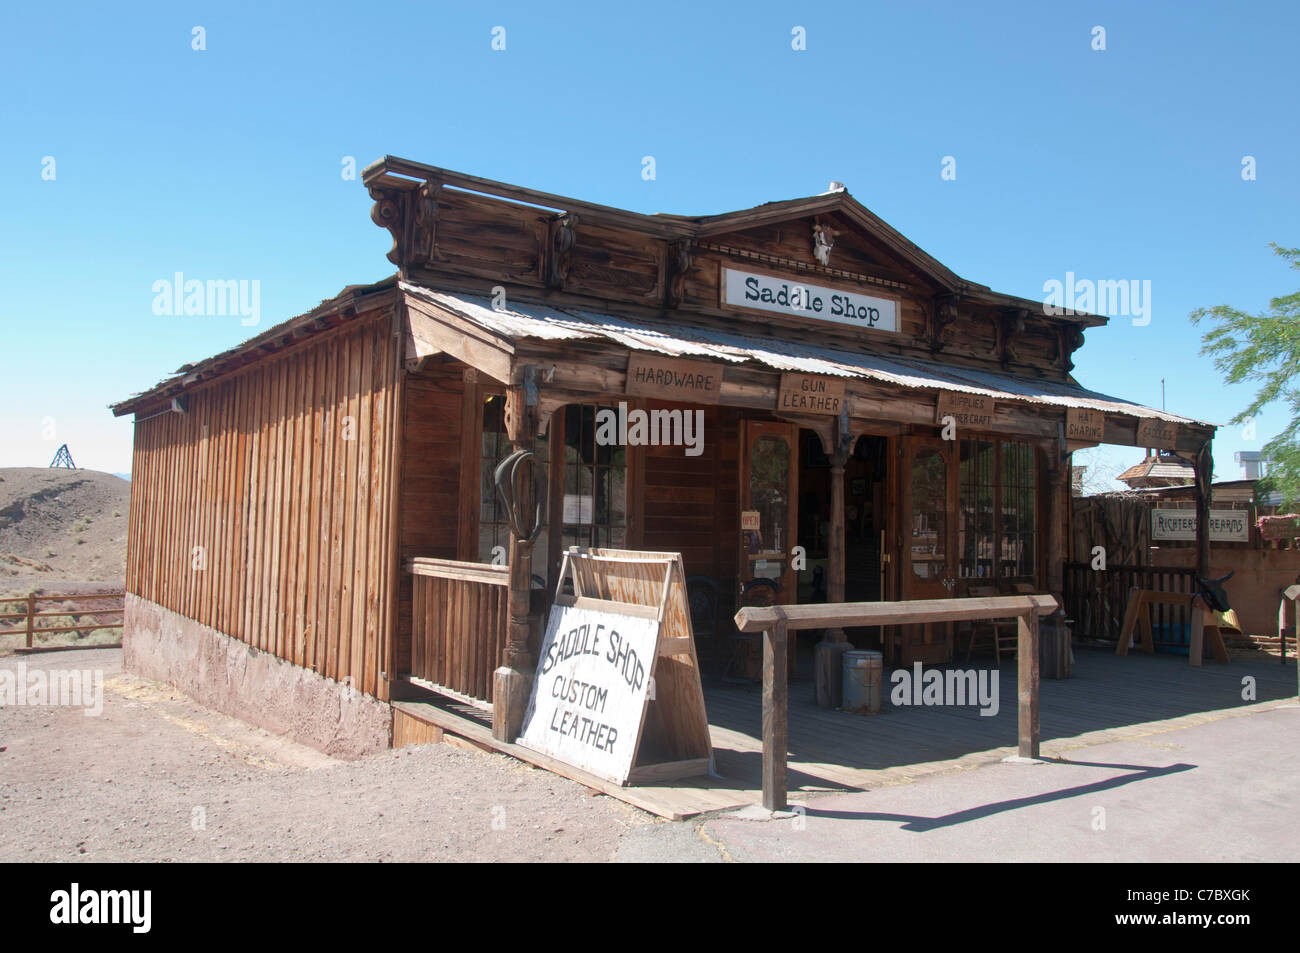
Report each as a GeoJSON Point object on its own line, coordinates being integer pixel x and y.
{"type": "Point", "coordinates": [430, 481]}
{"type": "Point", "coordinates": [688, 504]}
{"type": "Point", "coordinates": [266, 510]}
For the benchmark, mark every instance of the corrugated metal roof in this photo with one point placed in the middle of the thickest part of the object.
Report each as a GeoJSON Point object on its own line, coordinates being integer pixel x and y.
{"type": "Point", "coordinates": [791, 353]}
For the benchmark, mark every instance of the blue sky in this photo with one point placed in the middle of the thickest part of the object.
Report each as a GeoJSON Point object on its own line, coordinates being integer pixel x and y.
{"type": "Point", "coordinates": [226, 163]}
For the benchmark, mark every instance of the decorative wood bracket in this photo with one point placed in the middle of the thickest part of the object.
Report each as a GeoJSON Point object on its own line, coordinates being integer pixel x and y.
{"type": "Point", "coordinates": [1069, 339]}
{"type": "Point", "coordinates": [425, 231]}
{"type": "Point", "coordinates": [563, 233]}
{"type": "Point", "coordinates": [943, 316]}
{"type": "Point", "coordinates": [387, 213]}
{"type": "Point", "coordinates": [681, 258]}
{"type": "Point", "coordinates": [1011, 323]}
{"type": "Point", "coordinates": [412, 218]}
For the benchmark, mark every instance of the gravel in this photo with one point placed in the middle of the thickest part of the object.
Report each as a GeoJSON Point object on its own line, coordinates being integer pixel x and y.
{"type": "Point", "coordinates": [156, 777]}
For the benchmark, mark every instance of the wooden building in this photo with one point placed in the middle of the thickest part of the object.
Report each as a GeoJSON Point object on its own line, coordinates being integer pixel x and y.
{"type": "Point", "coordinates": [795, 397]}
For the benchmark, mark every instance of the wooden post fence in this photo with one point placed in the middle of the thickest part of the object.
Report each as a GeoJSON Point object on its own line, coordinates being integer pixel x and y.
{"type": "Point", "coordinates": [29, 614]}
{"type": "Point", "coordinates": [776, 622]}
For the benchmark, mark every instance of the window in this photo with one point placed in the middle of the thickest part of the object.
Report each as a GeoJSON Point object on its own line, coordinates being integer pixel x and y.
{"type": "Point", "coordinates": [493, 526]}
{"type": "Point", "coordinates": [594, 510]}
{"type": "Point", "coordinates": [929, 514]}
{"type": "Point", "coordinates": [997, 510]}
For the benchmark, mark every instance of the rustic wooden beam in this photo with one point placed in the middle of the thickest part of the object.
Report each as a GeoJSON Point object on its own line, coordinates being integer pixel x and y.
{"type": "Point", "coordinates": [391, 165]}
{"type": "Point", "coordinates": [776, 704]}
{"type": "Point", "coordinates": [829, 653]}
{"type": "Point", "coordinates": [512, 682]}
{"type": "Point", "coordinates": [1203, 470]}
{"type": "Point", "coordinates": [1027, 683]}
{"type": "Point", "coordinates": [856, 614]}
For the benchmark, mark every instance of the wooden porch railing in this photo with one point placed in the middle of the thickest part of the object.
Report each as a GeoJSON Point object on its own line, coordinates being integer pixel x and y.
{"type": "Point", "coordinates": [458, 624]}
{"type": "Point", "coordinates": [775, 621]}
{"type": "Point", "coordinates": [31, 612]}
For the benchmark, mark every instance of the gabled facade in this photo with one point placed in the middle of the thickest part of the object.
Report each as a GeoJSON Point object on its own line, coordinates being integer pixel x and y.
{"type": "Point", "coordinates": [795, 397]}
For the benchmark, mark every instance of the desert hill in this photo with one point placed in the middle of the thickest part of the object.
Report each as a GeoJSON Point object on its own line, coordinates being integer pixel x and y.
{"type": "Point", "coordinates": [61, 526]}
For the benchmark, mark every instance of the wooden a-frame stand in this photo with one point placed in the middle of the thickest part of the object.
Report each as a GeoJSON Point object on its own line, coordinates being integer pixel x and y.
{"type": "Point", "coordinates": [673, 737]}
{"type": "Point", "coordinates": [1204, 623]}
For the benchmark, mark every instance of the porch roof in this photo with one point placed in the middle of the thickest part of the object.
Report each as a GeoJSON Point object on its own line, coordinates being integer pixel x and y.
{"type": "Point", "coordinates": [791, 351]}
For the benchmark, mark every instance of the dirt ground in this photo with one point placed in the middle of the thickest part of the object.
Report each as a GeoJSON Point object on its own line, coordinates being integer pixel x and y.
{"type": "Point", "coordinates": [157, 777]}
{"type": "Point", "coordinates": [61, 531]}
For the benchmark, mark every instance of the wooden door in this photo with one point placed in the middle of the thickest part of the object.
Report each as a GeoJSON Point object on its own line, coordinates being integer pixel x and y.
{"type": "Point", "coordinates": [769, 477]}
{"type": "Point", "coordinates": [928, 566]}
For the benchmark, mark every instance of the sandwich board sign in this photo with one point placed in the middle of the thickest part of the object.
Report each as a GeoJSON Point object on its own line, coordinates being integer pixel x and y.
{"type": "Point", "coordinates": [591, 688]}
{"type": "Point", "coordinates": [617, 691]}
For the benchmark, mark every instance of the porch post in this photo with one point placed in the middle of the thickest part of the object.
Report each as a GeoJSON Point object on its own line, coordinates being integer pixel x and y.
{"type": "Point", "coordinates": [512, 682]}
{"type": "Point", "coordinates": [828, 656]}
{"type": "Point", "coordinates": [1203, 467]}
{"type": "Point", "coordinates": [775, 716]}
{"type": "Point", "coordinates": [1027, 683]}
{"type": "Point", "coordinates": [1058, 499]}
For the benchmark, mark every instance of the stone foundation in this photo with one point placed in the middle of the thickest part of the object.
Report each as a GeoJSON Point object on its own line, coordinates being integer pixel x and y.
{"type": "Point", "coordinates": [254, 686]}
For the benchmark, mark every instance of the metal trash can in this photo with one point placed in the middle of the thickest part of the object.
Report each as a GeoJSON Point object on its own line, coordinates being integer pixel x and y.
{"type": "Point", "coordinates": [862, 671]}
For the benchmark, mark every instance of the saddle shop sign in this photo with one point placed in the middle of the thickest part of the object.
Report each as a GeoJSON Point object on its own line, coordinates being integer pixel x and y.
{"type": "Point", "coordinates": [744, 289]}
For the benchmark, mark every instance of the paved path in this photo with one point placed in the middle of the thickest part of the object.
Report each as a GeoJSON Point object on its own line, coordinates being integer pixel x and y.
{"type": "Point", "coordinates": [1221, 790]}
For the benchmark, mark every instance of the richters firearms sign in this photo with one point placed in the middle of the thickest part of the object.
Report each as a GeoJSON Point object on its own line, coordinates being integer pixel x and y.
{"type": "Point", "coordinates": [1226, 526]}
{"type": "Point", "coordinates": [591, 689]}
{"type": "Point", "coordinates": [743, 289]}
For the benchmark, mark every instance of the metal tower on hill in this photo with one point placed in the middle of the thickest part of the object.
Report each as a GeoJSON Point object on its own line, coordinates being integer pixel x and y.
{"type": "Point", "coordinates": [63, 459]}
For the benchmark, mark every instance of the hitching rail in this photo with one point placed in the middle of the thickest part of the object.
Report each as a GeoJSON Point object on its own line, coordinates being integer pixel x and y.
{"type": "Point", "coordinates": [775, 621]}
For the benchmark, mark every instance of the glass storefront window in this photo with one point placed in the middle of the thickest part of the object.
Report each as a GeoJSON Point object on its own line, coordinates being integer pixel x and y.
{"type": "Point", "coordinates": [929, 514]}
{"type": "Point", "coordinates": [997, 510]}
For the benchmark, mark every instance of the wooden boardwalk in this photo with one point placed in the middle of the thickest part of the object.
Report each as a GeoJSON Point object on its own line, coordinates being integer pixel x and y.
{"type": "Point", "coordinates": [1107, 698]}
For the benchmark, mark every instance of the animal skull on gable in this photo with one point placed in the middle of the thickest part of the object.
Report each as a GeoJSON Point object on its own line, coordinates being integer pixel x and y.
{"type": "Point", "coordinates": [823, 242]}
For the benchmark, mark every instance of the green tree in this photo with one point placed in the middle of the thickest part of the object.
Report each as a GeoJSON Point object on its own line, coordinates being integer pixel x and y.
{"type": "Point", "coordinates": [1265, 348]}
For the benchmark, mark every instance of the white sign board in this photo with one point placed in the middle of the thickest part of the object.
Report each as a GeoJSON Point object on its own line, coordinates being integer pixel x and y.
{"type": "Point", "coordinates": [1226, 526]}
{"type": "Point", "coordinates": [593, 680]}
{"type": "Point", "coordinates": [743, 289]}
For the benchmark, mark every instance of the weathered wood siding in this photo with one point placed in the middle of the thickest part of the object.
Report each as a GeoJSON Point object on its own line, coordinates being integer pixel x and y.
{"type": "Point", "coordinates": [688, 504]}
{"type": "Point", "coordinates": [430, 481]}
{"type": "Point", "coordinates": [266, 511]}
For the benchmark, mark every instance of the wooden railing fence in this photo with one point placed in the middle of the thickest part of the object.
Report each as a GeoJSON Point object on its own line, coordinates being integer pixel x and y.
{"type": "Point", "coordinates": [32, 611]}
{"type": "Point", "coordinates": [1096, 600]}
{"type": "Point", "coordinates": [776, 621]}
{"type": "Point", "coordinates": [458, 624]}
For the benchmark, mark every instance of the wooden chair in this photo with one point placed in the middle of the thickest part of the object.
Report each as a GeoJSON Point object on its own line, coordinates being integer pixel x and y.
{"type": "Point", "coordinates": [744, 665]}
{"type": "Point", "coordinates": [1003, 634]}
{"type": "Point", "coordinates": [702, 597]}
